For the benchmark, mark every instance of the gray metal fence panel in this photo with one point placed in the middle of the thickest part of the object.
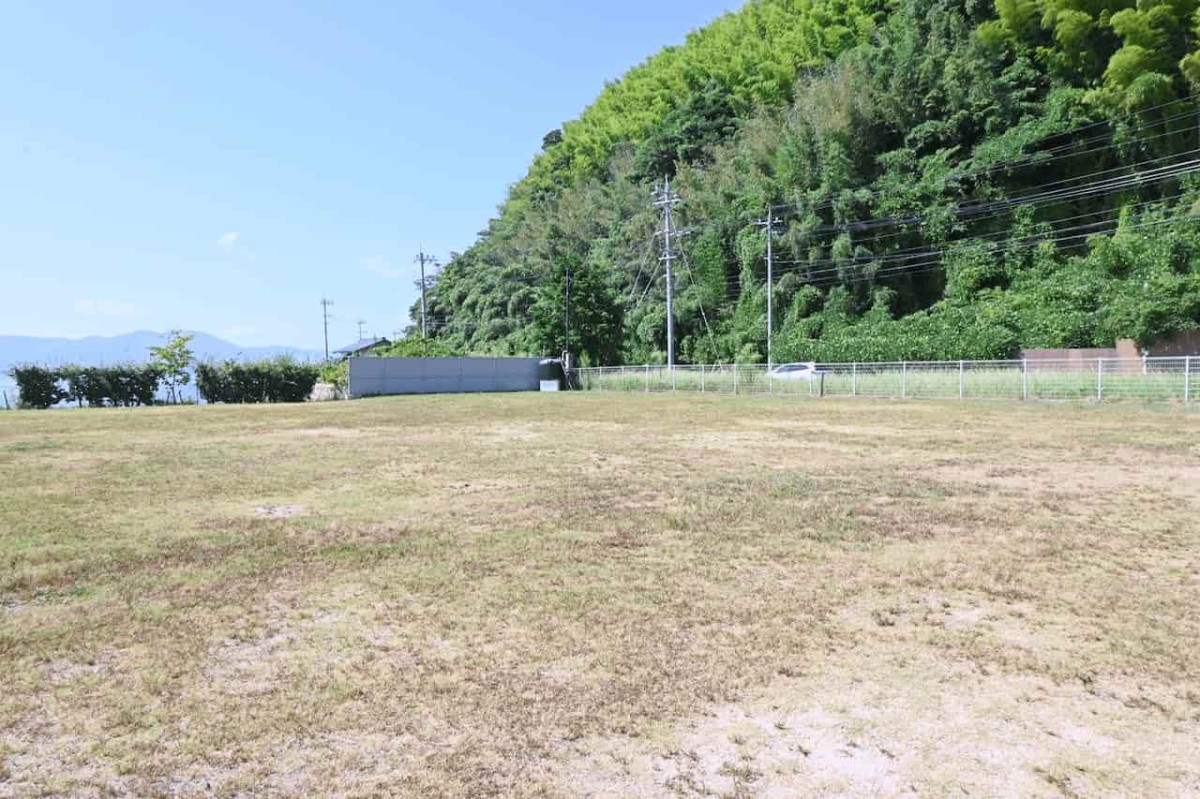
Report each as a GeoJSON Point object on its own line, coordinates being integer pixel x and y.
{"type": "Point", "coordinates": [371, 377]}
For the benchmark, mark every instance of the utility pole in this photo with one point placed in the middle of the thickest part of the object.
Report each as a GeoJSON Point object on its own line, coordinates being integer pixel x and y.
{"type": "Point", "coordinates": [325, 313]}
{"type": "Point", "coordinates": [567, 312]}
{"type": "Point", "coordinates": [667, 200]}
{"type": "Point", "coordinates": [769, 224]}
{"type": "Point", "coordinates": [423, 259]}
{"type": "Point", "coordinates": [361, 324]}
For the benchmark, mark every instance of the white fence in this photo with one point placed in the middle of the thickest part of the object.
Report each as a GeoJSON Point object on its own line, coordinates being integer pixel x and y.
{"type": "Point", "coordinates": [1165, 380]}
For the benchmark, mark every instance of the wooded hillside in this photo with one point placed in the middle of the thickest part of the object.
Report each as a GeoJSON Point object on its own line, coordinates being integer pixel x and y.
{"type": "Point", "coordinates": [953, 179]}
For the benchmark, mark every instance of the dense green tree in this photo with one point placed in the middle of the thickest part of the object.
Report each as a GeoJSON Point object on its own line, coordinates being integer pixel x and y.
{"type": "Point", "coordinates": [577, 311]}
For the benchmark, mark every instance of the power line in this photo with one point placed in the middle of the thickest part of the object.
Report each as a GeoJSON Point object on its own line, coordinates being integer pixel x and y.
{"type": "Point", "coordinates": [1038, 196]}
{"type": "Point", "coordinates": [830, 276]}
{"type": "Point", "coordinates": [1033, 203]}
{"type": "Point", "coordinates": [1106, 186]}
{"type": "Point", "coordinates": [640, 272]}
{"type": "Point", "coordinates": [914, 252]}
{"type": "Point", "coordinates": [692, 275]}
{"type": "Point", "coordinates": [1032, 158]}
{"type": "Point", "coordinates": [649, 285]}
{"type": "Point", "coordinates": [924, 260]}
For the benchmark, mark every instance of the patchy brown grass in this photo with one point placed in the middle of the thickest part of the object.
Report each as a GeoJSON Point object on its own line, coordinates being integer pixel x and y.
{"type": "Point", "coordinates": [600, 596]}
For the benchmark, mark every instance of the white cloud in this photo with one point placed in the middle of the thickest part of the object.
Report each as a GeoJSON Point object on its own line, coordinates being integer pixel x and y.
{"type": "Point", "coordinates": [105, 308]}
{"type": "Point", "coordinates": [227, 241]}
{"type": "Point", "coordinates": [379, 267]}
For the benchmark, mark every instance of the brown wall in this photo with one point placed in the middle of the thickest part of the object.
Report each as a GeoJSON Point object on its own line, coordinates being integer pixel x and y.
{"type": "Point", "coordinates": [1179, 344]}
{"type": "Point", "coordinates": [1080, 358]}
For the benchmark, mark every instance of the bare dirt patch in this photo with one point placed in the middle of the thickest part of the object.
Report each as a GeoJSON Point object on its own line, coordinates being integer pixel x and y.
{"type": "Point", "coordinates": [327, 432]}
{"type": "Point", "coordinates": [280, 511]}
{"type": "Point", "coordinates": [61, 670]}
{"type": "Point", "coordinates": [876, 722]}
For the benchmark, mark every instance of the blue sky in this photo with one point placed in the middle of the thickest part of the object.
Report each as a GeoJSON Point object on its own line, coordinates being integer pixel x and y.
{"type": "Point", "coordinates": [219, 166]}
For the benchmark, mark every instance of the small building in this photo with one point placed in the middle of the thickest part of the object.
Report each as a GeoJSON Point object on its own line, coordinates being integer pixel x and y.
{"type": "Point", "coordinates": [361, 349]}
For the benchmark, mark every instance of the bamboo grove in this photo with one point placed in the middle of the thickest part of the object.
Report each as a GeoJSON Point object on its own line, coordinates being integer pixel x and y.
{"type": "Point", "coordinates": [954, 179]}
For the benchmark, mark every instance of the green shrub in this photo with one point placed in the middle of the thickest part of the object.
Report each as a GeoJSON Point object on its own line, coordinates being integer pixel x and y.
{"type": "Point", "coordinates": [133, 384]}
{"type": "Point", "coordinates": [38, 386]}
{"type": "Point", "coordinates": [337, 374]}
{"type": "Point", "coordinates": [273, 380]}
{"type": "Point", "coordinates": [417, 347]}
{"type": "Point", "coordinates": [123, 385]}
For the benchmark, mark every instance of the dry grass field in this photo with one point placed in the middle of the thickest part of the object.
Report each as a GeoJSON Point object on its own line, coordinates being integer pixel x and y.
{"type": "Point", "coordinates": [597, 595]}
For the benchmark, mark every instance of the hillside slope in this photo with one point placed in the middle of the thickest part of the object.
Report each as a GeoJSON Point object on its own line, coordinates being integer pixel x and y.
{"type": "Point", "coordinates": [950, 180]}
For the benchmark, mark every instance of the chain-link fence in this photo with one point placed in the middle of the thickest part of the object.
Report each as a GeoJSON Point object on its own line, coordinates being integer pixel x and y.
{"type": "Point", "coordinates": [1165, 380]}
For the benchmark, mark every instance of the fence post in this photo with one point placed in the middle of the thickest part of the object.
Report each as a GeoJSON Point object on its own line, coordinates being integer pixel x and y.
{"type": "Point", "coordinates": [647, 378]}
{"type": "Point", "coordinates": [1187, 379]}
{"type": "Point", "coordinates": [854, 379]}
{"type": "Point", "coordinates": [735, 378]}
{"type": "Point", "coordinates": [1024, 378]}
{"type": "Point", "coordinates": [701, 378]}
{"type": "Point", "coordinates": [1099, 380]}
{"type": "Point", "coordinates": [961, 372]}
{"type": "Point", "coordinates": [903, 379]}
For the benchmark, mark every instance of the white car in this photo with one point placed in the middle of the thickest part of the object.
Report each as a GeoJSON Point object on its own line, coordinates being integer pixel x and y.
{"type": "Point", "coordinates": [798, 371]}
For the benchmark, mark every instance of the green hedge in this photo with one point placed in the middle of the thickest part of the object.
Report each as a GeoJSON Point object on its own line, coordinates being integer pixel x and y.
{"type": "Point", "coordinates": [38, 387]}
{"type": "Point", "coordinates": [122, 385]}
{"type": "Point", "coordinates": [273, 380]}
{"type": "Point", "coordinates": [337, 374]}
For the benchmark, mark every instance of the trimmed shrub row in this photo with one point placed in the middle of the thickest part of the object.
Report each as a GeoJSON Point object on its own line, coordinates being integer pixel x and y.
{"type": "Point", "coordinates": [273, 380]}
{"type": "Point", "coordinates": [124, 385]}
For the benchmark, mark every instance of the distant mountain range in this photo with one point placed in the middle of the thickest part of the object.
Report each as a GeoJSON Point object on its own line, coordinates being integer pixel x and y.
{"type": "Point", "coordinates": [129, 347]}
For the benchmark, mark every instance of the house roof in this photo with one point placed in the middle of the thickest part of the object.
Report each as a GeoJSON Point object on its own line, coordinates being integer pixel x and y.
{"type": "Point", "coordinates": [363, 344]}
